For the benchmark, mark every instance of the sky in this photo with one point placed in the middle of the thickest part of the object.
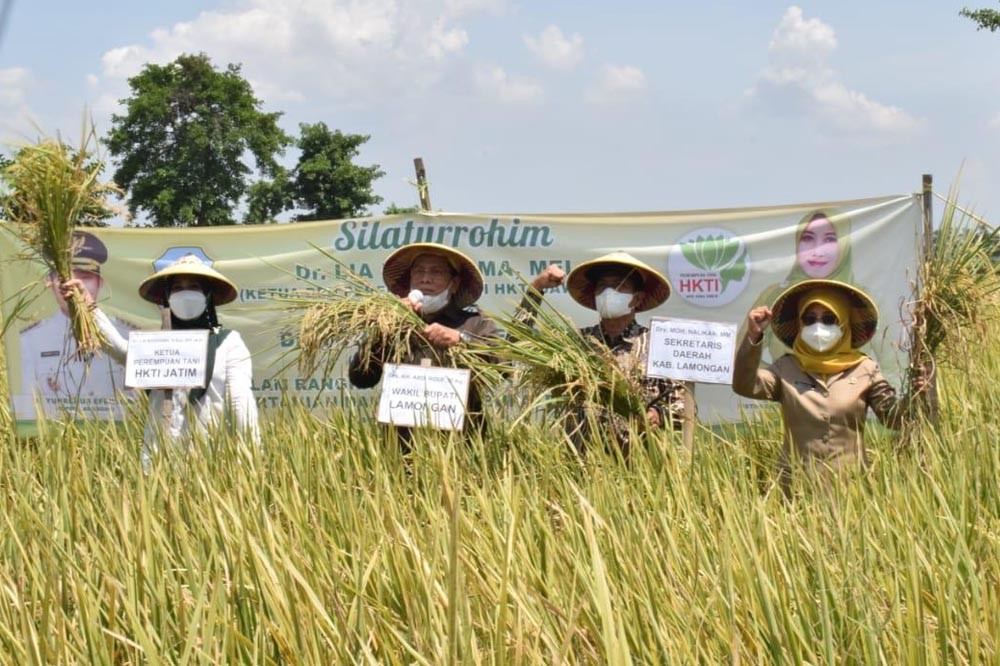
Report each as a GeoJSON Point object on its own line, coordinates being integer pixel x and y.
{"type": "Point", "coordinates": [564, 106]}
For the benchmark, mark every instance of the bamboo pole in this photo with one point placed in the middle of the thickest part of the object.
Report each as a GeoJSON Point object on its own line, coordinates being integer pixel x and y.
{"type": "Point", "coordinates": [926, 362]}
{"type": "Point", "coordinates": [423, 190]}
{"type": "Point", "coordinates": [690, 416]}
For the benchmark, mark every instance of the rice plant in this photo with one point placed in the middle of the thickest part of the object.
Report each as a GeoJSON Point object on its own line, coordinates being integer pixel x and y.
{"type": "Point", "coordinates": [53, 188]}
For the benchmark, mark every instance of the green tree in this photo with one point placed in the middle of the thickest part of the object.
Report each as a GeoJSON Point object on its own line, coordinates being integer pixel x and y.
{"type": "Point", "coordinates": [183, 140]}
{"type": "Point", "coordinates": [268, 198]}
{"type": "Point", "coordinates": [393, 209]}
{"type": "Point", "coordinates": [325, 182]}
{"type": "Point", "coordinates": [986, 19]}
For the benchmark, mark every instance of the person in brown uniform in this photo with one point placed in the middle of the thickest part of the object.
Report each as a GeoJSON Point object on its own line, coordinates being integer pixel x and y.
{"type": "Point", "coordinates": [441, 285]}
{"type": "Point", "coordinates": [826, 385]}
{"type": "Point", "coordinates": [617, 286]}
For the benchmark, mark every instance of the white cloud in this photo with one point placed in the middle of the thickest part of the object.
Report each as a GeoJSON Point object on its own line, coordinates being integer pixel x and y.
{"type": "Point", "coordinates": [444, 40]}
{"type": "Point", "coordinates": [348, 50]}
{"type": "Point", "coordinates": [617, 83]}
{"type": "Point", "coordinates": [495, 82]}
{"type": "Point", "coordinates": [458, 8]}
{"type": "Point", "coordinates": [802, 38]}
{"type": "Point", "coordinates": [556, 50]}
{"type": "Point", "coordinates": [14, 84]}
{"type": "Point", "coordinates": [994, 122]}
{"type": "Point", "coordinates": [13, 87]}
{"type": "Point", "coordinates": [799, 80]}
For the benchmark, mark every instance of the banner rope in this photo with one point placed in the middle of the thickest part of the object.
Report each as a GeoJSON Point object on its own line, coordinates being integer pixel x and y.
{"type": "Point", "coordinates": [981, 220]}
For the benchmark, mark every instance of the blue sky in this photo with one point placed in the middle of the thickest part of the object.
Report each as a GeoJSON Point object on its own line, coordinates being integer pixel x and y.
{"type": "Point", "coordinates": [556, 106]}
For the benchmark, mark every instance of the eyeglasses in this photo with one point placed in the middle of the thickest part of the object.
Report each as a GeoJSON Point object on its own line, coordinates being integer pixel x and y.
{"type": "Point", "coordinates": [828, 319]}
{"type": "Point", "coordinates": [434, 273]}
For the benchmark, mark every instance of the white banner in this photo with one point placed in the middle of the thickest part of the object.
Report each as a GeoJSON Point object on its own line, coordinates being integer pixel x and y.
{"type": "Point", "coordinates": [720, 262]}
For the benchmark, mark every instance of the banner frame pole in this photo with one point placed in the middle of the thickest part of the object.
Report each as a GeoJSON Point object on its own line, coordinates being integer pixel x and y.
{"type": "Point", "coordinates": [923, 361]}
{"type": "Point", "coordinates": [423, 189]}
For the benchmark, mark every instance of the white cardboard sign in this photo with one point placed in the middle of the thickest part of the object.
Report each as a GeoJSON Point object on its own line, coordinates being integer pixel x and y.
{"type": "Point", "coordinates": [166, 359]}
{"type": "Point", "coordinates": [691, 351]}
{"type": "Point", "coordinates": [418, 396]}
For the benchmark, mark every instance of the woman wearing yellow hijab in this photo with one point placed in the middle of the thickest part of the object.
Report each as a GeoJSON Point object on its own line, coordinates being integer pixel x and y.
{"type": "Point", "coordinates": [825, 386]}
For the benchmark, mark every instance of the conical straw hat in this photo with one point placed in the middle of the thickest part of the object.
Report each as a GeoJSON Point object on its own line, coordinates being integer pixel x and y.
{"type": "Point", "coordinates": [396, 271]}
{"type": "Point", "coordinates": [153, 288]}
{"type": "Point", "coordinates": [785, 311]}
{"type": "Point", "coordinates": [581, 280]}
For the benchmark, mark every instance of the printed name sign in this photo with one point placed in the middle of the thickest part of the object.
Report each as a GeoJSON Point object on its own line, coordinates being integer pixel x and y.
{"type": "Point", "coordinates": [424, 396]}
{"type": "Point", "coordinates": [166, 359]}
{"type": "Point", "coordinates": [691, 351]}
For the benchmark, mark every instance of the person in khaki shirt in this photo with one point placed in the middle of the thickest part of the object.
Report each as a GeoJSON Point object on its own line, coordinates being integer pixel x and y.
{"type": "Point", "coordinates": [826, 385]}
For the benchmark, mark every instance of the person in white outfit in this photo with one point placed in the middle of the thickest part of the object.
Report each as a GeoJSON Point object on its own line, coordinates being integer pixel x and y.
{"type": "Point", "coordinates": [191, 290]}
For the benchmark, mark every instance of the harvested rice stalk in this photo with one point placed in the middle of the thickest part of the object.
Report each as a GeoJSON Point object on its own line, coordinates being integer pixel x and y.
{"type": "Point", "coordinates": [959, 292]}
{"type": "Point", "coordinates": [52, 189]}
{"type": "Point", "coordinates": [562, 369]}
{"type": "Point", "coordinates": [356, 312]}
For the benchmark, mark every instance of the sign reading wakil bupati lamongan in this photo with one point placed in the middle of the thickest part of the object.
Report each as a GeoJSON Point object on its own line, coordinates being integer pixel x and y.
{"type": "Point", "coordinates": [691, 351]}
{"type": "Point", "coordinates": [424, 396]}
{"type": "Point", "coordinates": [166, 359]}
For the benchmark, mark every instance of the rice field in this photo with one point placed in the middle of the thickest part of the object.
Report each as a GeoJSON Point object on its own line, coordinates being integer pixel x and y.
{"type": "Point", "coordinates": [324, 546]}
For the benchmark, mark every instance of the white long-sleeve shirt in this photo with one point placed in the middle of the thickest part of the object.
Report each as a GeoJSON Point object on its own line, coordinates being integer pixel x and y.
{"type": "Point", "coordinates": [229, 390]}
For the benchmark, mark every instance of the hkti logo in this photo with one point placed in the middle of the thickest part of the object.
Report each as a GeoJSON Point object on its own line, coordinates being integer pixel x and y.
{"type": "Point", "coordinates": [709, 267]}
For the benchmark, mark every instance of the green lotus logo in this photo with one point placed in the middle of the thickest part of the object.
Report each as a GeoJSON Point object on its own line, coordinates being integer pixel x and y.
{"type": "Point", "coordinates": [717, 254]}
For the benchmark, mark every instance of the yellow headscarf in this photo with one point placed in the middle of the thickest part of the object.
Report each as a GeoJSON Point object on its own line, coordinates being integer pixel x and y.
{"type": "Point", "coordinates": [842, 356]}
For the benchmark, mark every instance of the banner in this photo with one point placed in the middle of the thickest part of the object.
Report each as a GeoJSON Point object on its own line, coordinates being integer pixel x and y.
{"type": "Point", "coordinates": [720, 263]}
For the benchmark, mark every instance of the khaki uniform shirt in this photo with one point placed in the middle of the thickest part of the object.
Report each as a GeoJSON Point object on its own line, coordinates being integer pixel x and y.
{"type": "Point", "coordinates": [824, 416]}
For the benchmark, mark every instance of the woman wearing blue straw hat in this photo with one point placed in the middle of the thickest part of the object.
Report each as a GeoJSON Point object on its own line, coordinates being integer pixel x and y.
{"type": "Point", "coordinates": [826, 385]}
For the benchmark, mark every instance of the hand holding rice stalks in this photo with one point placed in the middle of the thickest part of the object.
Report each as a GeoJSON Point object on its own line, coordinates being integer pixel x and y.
{"type": "Point", "coordinates": [355, 312]}
{"type": "Point", "coordinates": [384, 329]}
{"type": "Point", "coordinates": [563, 369]}
{"type": "Point", "coordinates": [53, 189]}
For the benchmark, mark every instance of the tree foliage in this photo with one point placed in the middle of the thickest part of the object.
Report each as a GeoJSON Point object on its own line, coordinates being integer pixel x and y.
{"type": "Point", "coordinates": [325, 182]}
{"type": "Point", "coordinates": [183, 140]}
{"type": "Point", "coordinates": [985, 19]}
{"type": "Point", "coordinates": [393, 209]}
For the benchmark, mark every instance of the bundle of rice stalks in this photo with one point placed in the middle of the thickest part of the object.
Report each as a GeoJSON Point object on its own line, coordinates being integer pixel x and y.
{"type": "Point", "coordinates": [354, 312]}
{"type": "Point", "coordinates": [559, 368]}
{"type": "Point", "coordinates": [357, 313]}
{"type": "Point", "coordinates": [959, 294]}
{"type": "Point", "coordinates": [52, 189]}
{"type": "Point", "coordinates": [959, 284]}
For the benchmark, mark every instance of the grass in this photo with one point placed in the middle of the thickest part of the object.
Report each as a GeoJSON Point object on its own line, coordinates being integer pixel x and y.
{"type": "Point", "coordinates": [325, 547]}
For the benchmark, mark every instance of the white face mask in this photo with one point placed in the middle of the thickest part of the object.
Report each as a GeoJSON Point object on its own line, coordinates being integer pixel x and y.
{"type": "Point", "coordinates": [187, 304]}
{"type": "Point", "coordinates": [820, 336]}
{"type": "Point", "coordinates": [432, 304]}
{"type": "Point", "coordinates": [612, 303]}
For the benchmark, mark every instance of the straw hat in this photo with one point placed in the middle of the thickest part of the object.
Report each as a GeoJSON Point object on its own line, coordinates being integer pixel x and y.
{"type": "Point", "coordinates": [581, 280]}
{"type": "Point", "coordinates": [396, 271]}
{"type": "Point", "coordinates": [785, 311]}
{"type": "Point", "coordinates": [153, 288]}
